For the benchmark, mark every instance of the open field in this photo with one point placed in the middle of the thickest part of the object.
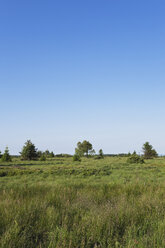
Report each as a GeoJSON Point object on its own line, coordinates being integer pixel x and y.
{"type": "Point", "coordinates": [93, 203]}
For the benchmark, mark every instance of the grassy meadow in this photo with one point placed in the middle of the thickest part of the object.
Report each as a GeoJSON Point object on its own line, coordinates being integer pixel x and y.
{"type": "Point", "coordinates": [93, 203]}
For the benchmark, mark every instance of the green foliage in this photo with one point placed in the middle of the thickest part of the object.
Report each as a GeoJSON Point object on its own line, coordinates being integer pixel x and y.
{"type": "Point", "coordinates": [76, 157]}
{"type": "Point", "coordinates": [6, 156]}
{"type": "Point", "coordinates": [39, 154]}
{"type": "Point", "coordinates": [148, 151]}
{"type": "Point", "coordinates": [96, 203]}
{"type": "Point", "coordinates": [43, 157]}
{"type": "Point", "coordinates": [92, 153]}
{"type": "Point", "coordinates": [29, 151]}
{"type": "Point", "coordinates": [79, 152]}
{"type": "Point", "coordinates": [101, 155]}
{"type": "Point", "coordinates": [83, 148]}
{"type": "Point", "coordinates": [63, 155]}
{"type": "Point", "coordinates": [47, 153]}
{"type": "Point", "coordinates": [135, 159]}
{"type": "Point", "coordinates": [51, 155]}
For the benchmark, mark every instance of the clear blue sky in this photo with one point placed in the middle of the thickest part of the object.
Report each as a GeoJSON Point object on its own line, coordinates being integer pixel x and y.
{"type": "Point", "coordinates": [82, 69]}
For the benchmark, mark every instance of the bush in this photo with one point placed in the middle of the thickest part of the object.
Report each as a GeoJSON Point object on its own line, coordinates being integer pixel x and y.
{"type": "Point", "coordinates": [51, 155]}
{"type": "Point", "coordinates": [6, 156]}
{"type": "Point", "coordinates": [63, 155]}
{"type": "Point", "coordinates": [98, 157]}
{"type": "Point", "coordinates": [76, 157]}
{"type": "Point", "coordinates": [135, 159]}
{"type": "Point", "coordinates": [43, 157]}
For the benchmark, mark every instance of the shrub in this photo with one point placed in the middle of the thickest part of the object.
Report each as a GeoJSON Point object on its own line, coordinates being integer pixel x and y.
{"type": "Point", "coordinates": [51, 155]}
{"type": "Point", "coordinates": [43, 157]}
{"type": "Point", "coordinates": [6, 156]}
{"type": "Point", "coordinates": [97, 157]}
{"type": "Point", "coordinates": [76, 157]}
{"type": "Point", "coordinates": [39, 154]}
{"type": "Point", "coordinates": [135, 159]}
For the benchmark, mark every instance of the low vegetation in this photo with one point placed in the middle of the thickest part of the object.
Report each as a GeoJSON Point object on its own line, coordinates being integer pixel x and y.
{"type": "Point", "coordinates": [87, 200]}
{"type": "Point", "coordinates": [93, 203]}
{"type": "Point", "coordinates": [76, 157]}
{"type": "Point", "coordinates": [135, 159]}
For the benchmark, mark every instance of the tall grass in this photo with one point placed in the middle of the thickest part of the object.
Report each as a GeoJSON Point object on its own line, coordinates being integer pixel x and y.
{"type": "Point", "coordinates": [58, 211]}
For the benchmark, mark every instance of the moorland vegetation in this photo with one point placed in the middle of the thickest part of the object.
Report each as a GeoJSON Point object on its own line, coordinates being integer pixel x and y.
{"type": "Point", "coordinates": [104, 202]}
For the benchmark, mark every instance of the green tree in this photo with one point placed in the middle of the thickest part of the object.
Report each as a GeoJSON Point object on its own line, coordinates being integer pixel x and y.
{"type": "Point", "coordinates": [148, 151]}
{"type": "Point", "coordinates": [6, 156]}
{"type": "Point", "coordinates": [0, 154]}
{"type": "Point", "coordinates": [101, 155]}
{"type": "Point", "coordinates": [51, 155]}
{"type": "Point", "coordinates": [83, 148]}
{"type": "Point", "coordinates": [29, 151]}
{"type": "Point", "coordinates": [47, 153]}
{"type": "Point", "coordinates": [134, 153]}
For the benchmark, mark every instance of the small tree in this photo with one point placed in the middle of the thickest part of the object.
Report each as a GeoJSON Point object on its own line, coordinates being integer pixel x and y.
{"type": "Point", "coordinates": [148, 151]}
{"type": "Point", "coordinates": [134, 153]}
{"type": "Point", "coordinates": [51, 155]}
{"type": "Point", "coordinates": [6, 156]}
{"type": "Point", "coordinates": [0, 154]}
{"type": "Point", "coordinates": [101, 155]}
{"type": "Point", "coordinates": [83, 148]}
{"type": "Point", "coordinates": [47, 153]}
{"type": "Point", "coordinates": [29, 151]}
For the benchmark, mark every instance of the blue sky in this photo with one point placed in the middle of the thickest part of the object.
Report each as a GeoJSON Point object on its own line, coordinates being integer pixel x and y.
{"type": "Point", "coordinates": [75, 70]}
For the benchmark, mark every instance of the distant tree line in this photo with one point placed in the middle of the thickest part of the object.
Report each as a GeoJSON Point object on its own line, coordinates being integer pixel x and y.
{"type": "Point", "coordinates": [83, 149]}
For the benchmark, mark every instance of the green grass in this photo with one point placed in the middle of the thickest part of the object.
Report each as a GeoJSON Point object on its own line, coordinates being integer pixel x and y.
{"type": "Point", "coordinates": [93, 203]}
